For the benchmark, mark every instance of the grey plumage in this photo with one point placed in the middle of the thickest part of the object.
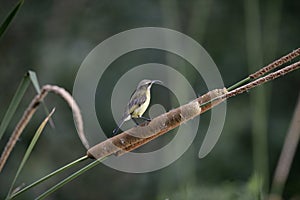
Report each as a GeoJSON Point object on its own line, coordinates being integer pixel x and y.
{"type": "Point", "coordinates": [138, 103]}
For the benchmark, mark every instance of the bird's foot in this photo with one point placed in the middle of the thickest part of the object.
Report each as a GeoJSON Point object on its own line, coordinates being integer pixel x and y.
{"type": "Point", "coordinates": [145, 118]}
{"type": "Point", "coordinates": [115, 131]}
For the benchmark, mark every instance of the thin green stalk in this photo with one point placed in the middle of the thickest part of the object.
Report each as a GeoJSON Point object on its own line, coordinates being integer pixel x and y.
{"type": "Point", "coordinates": [70, 178]}
{"type": "Point", "coordinates": [238, 84]}
{"type": "Point", "coordinates": [14, 103]}
{"type": "Point", "coordinates": [29, 76]}
{"type": "Point", "coordinates": [29, 149]}
{"type": "Point", "coordinates": [24, 120]}
{"type": "Point", "coordinates": [48, 176]}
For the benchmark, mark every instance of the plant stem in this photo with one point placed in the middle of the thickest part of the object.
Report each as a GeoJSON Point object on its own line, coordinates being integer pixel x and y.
{"type": "Point", "coordinates": [242, 82]}
{"type": "Point", "coordinates": [29, 149]}
{"type": "Point", "coordinates": [48, 176]}
{"type": "Point", "coordinates": [70, 178]}
{"type": "Point", "coordinates": [287, 154]}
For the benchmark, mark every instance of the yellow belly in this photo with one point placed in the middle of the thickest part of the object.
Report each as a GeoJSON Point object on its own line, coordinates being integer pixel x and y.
{"type": "Point", "coordinates": [140, 110]}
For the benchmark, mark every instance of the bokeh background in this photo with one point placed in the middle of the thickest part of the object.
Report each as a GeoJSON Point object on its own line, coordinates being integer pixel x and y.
{"type": "Point", "coordinates": [53, 38]}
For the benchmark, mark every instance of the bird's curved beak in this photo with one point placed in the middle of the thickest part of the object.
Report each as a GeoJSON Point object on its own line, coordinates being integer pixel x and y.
{"type": "Point", "coordinates": [157, 82]}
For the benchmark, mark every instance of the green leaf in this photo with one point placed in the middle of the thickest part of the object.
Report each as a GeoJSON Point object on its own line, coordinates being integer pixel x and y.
{"type": "Point", "coordinates": [36, 85]}
{"type": "Point", "coordinates": [14, 104]}
{"type": "Point", "coordinates": [29, 76]}
{"type": "Point", "coordinates": [70, 178]}
{"type": "Point", "coordinates": [34, 80]}
{"type": "Point", "coordinates": [30, 148]}
{"type": "Point", "coordinates": [49, 176]}
{"type": "Point", "coordinates": [10, 17]}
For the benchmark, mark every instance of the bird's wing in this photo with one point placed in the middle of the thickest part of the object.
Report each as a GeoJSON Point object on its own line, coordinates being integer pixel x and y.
{"type": "Point", "coordinates": [135, 102]}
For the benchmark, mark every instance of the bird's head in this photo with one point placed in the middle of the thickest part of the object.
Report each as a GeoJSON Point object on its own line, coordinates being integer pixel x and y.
{"type": "Point", "coordinates": [148, 83]}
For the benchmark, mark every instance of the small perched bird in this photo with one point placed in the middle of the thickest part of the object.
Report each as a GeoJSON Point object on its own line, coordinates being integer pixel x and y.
{"type": "Point", "coordinates": [138, 104]}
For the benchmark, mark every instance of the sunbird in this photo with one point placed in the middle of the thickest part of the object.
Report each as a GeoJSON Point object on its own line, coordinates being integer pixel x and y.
{"type": "Point", "coordinates": [138, 103]}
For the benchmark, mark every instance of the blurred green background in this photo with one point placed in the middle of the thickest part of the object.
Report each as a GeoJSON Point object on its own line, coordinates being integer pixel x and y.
{"type": "Point", "coordinates": [53, 38]}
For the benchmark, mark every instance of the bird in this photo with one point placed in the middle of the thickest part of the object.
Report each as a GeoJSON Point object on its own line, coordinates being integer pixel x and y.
{"type": "Point", "coordinates": [138, 103]}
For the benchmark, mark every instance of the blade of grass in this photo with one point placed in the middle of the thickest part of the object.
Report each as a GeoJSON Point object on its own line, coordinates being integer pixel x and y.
{"type": "Point", "coordinates": [70, 178]}
{"type": "Point", "coordinates": [37, 87]}
{"type": "Point", "coordinates": [34, 80]}
{"type": "Point", "coordinates": [10, 17]}
{"type": "Point", "coordinates": [19, 127]}
{"type": "Point", "coordinates": [236, 85]}
{"type": "Point", "coordinates": [14, 103]}
{"type": "Point", "coordinates": [30, 148]}
{"type": "Point", "coordinates": [29, 76]}
{"type": "Point", "coordinates": [14, 195]}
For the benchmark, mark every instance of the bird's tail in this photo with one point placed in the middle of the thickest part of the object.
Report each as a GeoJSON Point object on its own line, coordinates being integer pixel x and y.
{"type": "Point", "coordinates": [124, 119]}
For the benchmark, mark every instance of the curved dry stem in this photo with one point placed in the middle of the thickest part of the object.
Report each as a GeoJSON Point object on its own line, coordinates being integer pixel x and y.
{"type": "Point", "coordinates": [75, 109]}
{"type": "Point", "coordinates": [31, 110]}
